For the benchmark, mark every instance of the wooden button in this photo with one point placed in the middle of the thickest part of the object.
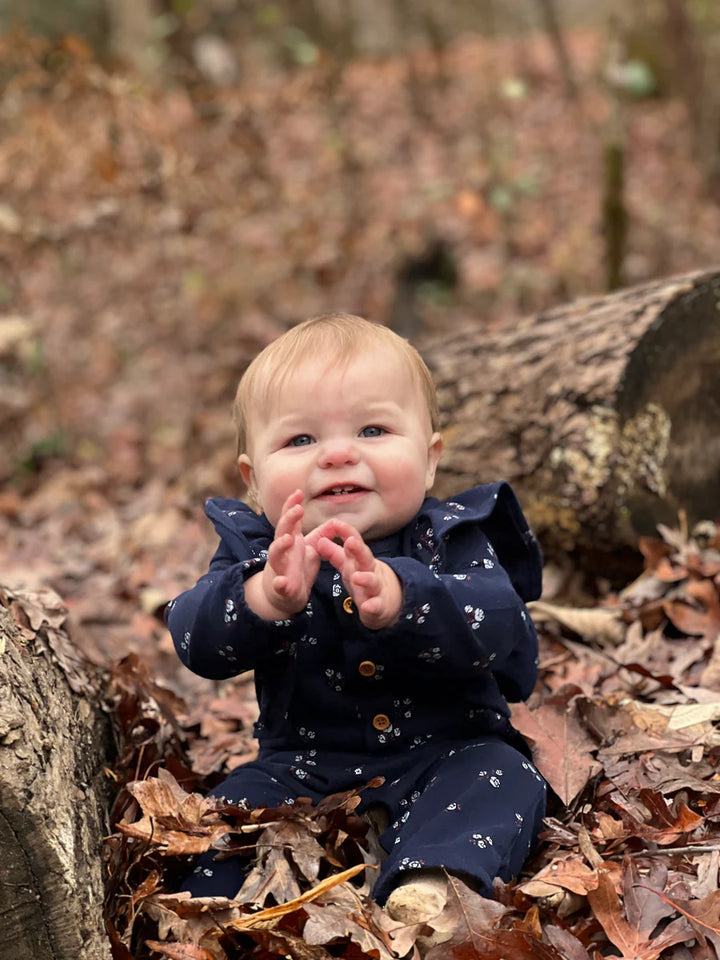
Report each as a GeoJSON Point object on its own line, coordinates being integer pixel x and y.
{"type": "Point", "coordinates": [348, 605]}
{"type": "Point", "coordinates": [381, 721]}
{"type": "Point", "coordinates": [367, 668]}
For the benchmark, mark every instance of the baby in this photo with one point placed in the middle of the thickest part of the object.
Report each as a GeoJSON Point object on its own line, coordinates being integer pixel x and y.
{"type": "Point", "coordinates": [386, 629]}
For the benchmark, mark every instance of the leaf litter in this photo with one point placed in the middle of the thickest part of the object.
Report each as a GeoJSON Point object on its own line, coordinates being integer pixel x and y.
{"type": "Point", "coordinates": [627, 865]}
{"type": "Point", "coordinates": [624, 728]}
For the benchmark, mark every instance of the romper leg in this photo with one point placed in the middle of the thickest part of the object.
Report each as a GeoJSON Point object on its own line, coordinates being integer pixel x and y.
{"type": "Point", "coordinates": [478, 813]}
{"type": "Point", "coordinates": [259, 784]}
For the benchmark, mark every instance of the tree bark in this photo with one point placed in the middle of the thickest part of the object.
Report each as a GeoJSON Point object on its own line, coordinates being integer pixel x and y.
{"type": "Point", "coordinates": [551, 20]}
{"type": "Point", "coordinates": [54, 743]}
{"type": "Point", "coordinates": [131, 35]}
{"type": "Point", "coordinates": [604, 414]}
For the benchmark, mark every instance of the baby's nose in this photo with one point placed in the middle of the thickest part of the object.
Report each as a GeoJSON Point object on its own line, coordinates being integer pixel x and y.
{"type": "Point", "coordinates": [336, 453]}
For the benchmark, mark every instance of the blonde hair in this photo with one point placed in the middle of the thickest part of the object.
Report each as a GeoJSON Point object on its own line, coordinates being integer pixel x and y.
{"type": "Point", "coordinates": [340, 336]}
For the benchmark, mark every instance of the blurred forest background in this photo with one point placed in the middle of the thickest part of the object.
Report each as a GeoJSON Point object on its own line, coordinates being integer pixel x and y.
{"type": "Point", "coordinates": [180, 180]}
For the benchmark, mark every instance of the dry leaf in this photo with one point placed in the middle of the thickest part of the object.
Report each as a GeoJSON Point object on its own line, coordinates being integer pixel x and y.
{"type": "Point", "coordinates": [181, 951]}
{"type": "Point", "coordinates": [632, 938]}
{"type": "Point", "coordinates": [339, 915]}
{"type": "Point", "coordinates": [562, 748]}
{"type": "Point", "coordinates": [568, 946]}
{"type": "Point", "coordinates": [274, 913]}
{"type": "Point", "coordinates": [476, 934]}
{"type": "Point", "coordinates": [569, 873]}
{"type": "Point", "coordinates": [594, 625]}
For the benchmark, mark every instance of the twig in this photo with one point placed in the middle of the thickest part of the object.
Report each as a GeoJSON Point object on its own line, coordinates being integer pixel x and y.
{"type": "Point", "coordinates": [246, 921]}
{"type": "Point", "coordinates": [253, 827]}
{"type": "Point", "coordinates": [694, 850]}
{"type": "Point", "coordinates": [461, 905]}
{"type": "Point", "coordinates": [676, 906]}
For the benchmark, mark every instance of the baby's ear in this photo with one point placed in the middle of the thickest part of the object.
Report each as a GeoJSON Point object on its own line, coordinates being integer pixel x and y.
{"type": "Point", "coordinates": [248, 477]}
{"type": "Point", "coordinates": [435, 448]}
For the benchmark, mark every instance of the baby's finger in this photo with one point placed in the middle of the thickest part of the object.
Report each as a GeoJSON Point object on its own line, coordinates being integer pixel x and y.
{"type": "Point", "coordinates": [280, 586]}
{"type": "Point", "coordinates": [333, 529]}
{"type": "Point", "coordinates": [359, 552]}
{"type": "Point", "coordinates": [296, 497]}
{"type": "Point", "coordinates": [292, 502]}
{"type": "Point", "coordinates": [368, 581]}
{"type": "Point", "coordinates": [372, 607]}
{"type": "Point", "coordinates": [312, 562]}
{"type": "Point", "coordinates": [326, 529]}
{"type": "Point", "coordinates": [331, 551]}
{"type": "Point", "coordinates": [289, 521]}
{"type": "Point", "coordinates": [280, 545]}
{"type": "Point", "coordinates": [280, 554]}
{"type": "Point", "coordinates": [344, 530]}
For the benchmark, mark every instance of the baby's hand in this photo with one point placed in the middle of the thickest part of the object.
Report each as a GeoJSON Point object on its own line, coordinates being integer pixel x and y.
{"type": "Point", "coordinates": [283, 587]}
{"type": "Point", "coordinates": [372, 584]}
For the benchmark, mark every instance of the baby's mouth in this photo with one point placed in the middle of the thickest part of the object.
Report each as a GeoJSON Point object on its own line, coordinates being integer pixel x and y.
{"type": "Point", "coordinates": [342, 489]}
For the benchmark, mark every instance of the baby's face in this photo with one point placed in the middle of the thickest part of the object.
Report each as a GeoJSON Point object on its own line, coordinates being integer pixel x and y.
{"type": "Point", "coordinates": [356, 438]}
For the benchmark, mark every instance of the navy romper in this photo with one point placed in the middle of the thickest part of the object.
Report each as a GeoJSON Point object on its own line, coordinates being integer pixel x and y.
{"type": "Point", "coordinates": [422, 703]}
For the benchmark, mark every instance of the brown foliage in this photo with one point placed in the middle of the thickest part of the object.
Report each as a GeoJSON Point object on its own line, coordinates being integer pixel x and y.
{"type": "Point", "coordinates": [628, 861]}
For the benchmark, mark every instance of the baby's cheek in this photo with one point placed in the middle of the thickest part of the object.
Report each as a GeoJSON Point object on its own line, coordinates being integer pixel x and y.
{"type": "Point", "coordinates": [272, 498]}
{"type": "Point", "coordinates": [406, 492]}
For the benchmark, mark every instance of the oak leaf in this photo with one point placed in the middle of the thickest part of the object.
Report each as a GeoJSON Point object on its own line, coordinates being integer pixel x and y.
{"type": "Point", "coordinates": [340, 915]}
{"type": "Point", "coordinates": [631, 934]}
{"type": "Point", "coordinates": [477, 935]}
{"type": "Point", "coordinates": [181, 951]}
{"type": "Point", "coordinates": [178, 823]}
{"type": "Point", "coordinates": [569, 873]}
{"type": "Point", "coordinates": [562, 748]}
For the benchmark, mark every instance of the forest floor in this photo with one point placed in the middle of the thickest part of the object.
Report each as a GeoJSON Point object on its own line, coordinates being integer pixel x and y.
{"type": "Point", "coordinates": [152, 240]}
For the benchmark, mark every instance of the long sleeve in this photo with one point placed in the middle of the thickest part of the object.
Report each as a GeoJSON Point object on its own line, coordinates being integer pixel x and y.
{"type": "Point", "coordinates": [462, 646]}
{"type": "Point", "coordinates": [463, 612]}
{"type": "Point", "coordinates": [468, 621]}
{"type": "Point", "coordinates": [215, 633]}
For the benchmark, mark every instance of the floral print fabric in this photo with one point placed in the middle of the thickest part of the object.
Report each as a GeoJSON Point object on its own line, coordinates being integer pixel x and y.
{"type": "Point", "coordinates": [340, 703]}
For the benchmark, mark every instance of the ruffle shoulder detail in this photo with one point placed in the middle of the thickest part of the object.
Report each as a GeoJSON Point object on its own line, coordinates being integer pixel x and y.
{"type": "Point", "coordinates": [245, 532]}
{"type": "Point", "coordinates": [496, 509]}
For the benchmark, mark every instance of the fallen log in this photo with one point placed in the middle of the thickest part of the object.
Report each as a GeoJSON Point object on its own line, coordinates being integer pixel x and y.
{"type": "Point", "coordinates": [604, 414]}
{"type": "Point", "coordinates": [54, 796]}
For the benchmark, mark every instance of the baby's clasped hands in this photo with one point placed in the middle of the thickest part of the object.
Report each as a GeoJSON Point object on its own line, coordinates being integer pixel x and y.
{"type": "Point", "coordinates": [283, 587]}
{"type": "Point", "coordinates": [372, 584]}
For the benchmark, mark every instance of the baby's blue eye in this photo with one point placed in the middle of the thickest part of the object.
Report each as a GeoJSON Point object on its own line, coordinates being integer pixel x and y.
{"type": "Point", "coordinates": [372, 431]}
{"type": "Point", "coordinates": [301, 440]}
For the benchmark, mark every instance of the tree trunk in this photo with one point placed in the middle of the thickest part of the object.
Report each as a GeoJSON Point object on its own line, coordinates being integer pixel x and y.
{"type": "Point", "coordinates": [551, 20]}
{"type": "Point", "coordinates": [131, 32]}
{"type": "Point", "coordinates": [604, 414]}
{"type": "Point", "coordinates": [53, 793]}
